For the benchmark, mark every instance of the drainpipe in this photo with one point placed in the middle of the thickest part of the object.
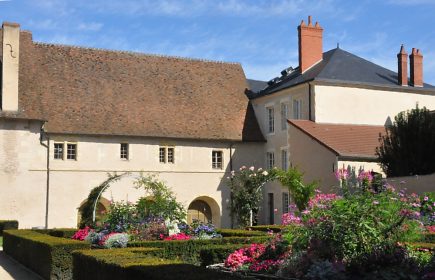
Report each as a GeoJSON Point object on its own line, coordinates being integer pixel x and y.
{"type": "Point", "coordinates": [309, 101]}
{"type": "Point", "coordinates": [43, 134]}
{"type": "Point", "coordinates": [231, 193]}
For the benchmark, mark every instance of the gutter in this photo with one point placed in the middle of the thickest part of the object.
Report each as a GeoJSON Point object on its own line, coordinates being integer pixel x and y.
{"type": "Point", "coordinates": [44, 134]}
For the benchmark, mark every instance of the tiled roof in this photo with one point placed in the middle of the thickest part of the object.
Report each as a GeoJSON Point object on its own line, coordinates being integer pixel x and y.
{"type": "Point", "coordinates": [358, 141]}
{"type": "Point", "coordinates": [92, 91]}
{"type": "Point", "coordinates": [339, 66]}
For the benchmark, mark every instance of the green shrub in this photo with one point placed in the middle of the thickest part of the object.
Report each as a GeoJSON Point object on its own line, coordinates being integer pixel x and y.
{"type": "Point", "coordinates": [135, 263]}
{"type": "Point", "coordinates": [266, 228]}
{"type": "Point", "coordinates": [7, 224]}
{"type": "Point", "coordinates": [188, 250]}
{"type": "Point", "coordinates": [239, 232]}
{"type": "Point", "coordinates": [218, 253]}
{"type": "Point", "coordinates": [58, 232]}
{"type": "Point", "coordinates": [48, 256]}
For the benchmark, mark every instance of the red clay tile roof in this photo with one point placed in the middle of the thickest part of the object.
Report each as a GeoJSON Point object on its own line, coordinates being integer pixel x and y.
{"type": "Point", "coordinates": [359, 141]}
{"type": "Point", "coordinates": [92, 91]}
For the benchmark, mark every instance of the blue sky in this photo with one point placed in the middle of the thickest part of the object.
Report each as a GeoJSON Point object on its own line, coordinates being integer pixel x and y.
{"type": "Point", "coordinates": [261, 35]}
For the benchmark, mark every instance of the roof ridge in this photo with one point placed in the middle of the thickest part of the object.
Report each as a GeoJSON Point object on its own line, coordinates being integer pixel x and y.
{"type": "Point", "coordinates": [338, 124]}
{"type": "Point", "coordinates": [137, 53]}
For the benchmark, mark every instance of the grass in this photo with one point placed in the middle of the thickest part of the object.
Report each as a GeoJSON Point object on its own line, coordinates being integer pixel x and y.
{"type": "Point", "coordinates": [1, 241]}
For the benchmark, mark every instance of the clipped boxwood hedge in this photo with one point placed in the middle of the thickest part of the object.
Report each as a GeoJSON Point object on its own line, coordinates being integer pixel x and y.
{"type": "Point", "coordinates": [7, 224]}
{"type": "Point", "coordinates": [240, 232]}
{"type": "Point", "coordinates": [266, 228]}
{"type": "Point", "coordinates": [218, 253]}
{"type": "Point", "coordinates": [189, 250]}
{"type": "Point", "coordinates": [46, 255]}
{"type": "Point", "coordinates": [58, 232]}
{"type": "Point", "coordinates": [136, 263]}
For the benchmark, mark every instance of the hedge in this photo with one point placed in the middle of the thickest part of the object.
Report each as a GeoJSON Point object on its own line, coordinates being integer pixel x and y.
{"type": "Point", "coordinates": [46, 255]}
{"type": "Point", "coordinates": [240, 232]}
{"type": "Point", "coordinates": [7, 224]}
{"type": "Point", "coordinates": [58, 232]}
{"type": "Point", "coordinates": [136, 263]}
{"type": "Point", "coordinates": [189, 250]}
{"type": "Point", "coordinates": [218, 253]}
{"type": "Point", "coordinates": [266, 228]}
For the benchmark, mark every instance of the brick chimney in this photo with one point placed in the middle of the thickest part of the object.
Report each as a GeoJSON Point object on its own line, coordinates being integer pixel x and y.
{"type": "Point", "coordinates": [402, 63]}
{"type": "Point", "coordinates": [416, 66]}
{"type": "Point", "coordinates": [310, 44]}
{"type": "Point", "coordinates": [10, 63]}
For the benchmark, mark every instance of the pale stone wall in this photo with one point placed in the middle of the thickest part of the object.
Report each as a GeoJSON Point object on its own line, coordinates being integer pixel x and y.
{"type": "Point", "coordinates": [23, 172]}
{"type": "Point", "coordinates": [361, 165]}
{"type": "Point", "coordinates": [346, 105]}
{"type": "Point", "coordinates": [10, 63]}
{"type": "Point", "coordinates": [277, 141]}
{"type": "Point", "coordinates": [313, 159]}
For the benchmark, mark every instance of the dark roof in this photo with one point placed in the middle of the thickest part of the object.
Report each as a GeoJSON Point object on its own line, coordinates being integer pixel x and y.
{"type": "Point", "coordinates": [340, 66]}
{"type": "Point", "coordinates": [356, 141]}
{"type": "Point", "coordinates": [256, 85]}
{"type": "Point", "coordinates": [100, 92]}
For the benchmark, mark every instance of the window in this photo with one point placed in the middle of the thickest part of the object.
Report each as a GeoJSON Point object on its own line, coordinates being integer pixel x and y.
{"type": "Point", "coordinates": [284, 165]}
{"type": "Point", "coordinates": [71, 151]}
{"type": "Point", "coordinates": [285, 202]}
{"type": "Point", "coordinates": [124, 151]}
{"type": "Point", "coordinates": [162, 155]}
{"type": "Point", "coordinates": [270, 160]}
{"type": "Point", "coordinates": [284, 115]}
{"type": "Point", "coordinates": [170, 155]}
{"type": "Point", "coordinates": [271, 207]}
{"type": "Point", "coordinates": [270, 119]}
{"type": "Point", "coordinates": [216, 159]}
{"type": "Point", "coordinates": [297, 105]}
{"type": "Point", "coordinates": [167, 154]}
{"type": "Point", "coordinates": [58, 150]}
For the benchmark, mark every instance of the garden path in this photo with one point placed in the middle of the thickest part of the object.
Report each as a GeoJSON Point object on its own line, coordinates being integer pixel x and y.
{"type": "Point", "coordinates": [11, 269]}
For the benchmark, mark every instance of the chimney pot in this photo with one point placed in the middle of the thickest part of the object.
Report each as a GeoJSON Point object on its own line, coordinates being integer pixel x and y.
{"type": "Point", "coordinates": [310, 23]}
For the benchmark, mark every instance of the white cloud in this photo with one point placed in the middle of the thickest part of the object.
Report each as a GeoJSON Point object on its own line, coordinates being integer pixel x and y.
{"type": "Point", "coordinates": [91, 26]}
{"type": "Point", "coordinates": [411, 2]}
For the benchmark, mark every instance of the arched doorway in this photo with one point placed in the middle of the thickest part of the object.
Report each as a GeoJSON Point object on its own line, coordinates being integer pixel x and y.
{"type": "Point", "coordinates": [100, 213]}
{"type": "Point", "coordinates": [204, 209]}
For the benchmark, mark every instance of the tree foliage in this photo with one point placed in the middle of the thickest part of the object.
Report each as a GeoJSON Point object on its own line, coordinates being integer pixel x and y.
{"type": "Point", "coordinates": [293, 180]}
{"type": "Point", "coordinates": [408, 148]}
{"type": "Point", "coordinates": [160, 201]}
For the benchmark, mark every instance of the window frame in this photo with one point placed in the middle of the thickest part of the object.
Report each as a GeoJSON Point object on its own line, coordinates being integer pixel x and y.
{"type": "Point", "coordinates": [170, 158]}
{"type": "Point", "coordinates": [284, 159]}
{"type": "Point", "coordinates": [284, 115]}
{"type": "Point", "coordinates": [270, 118]}
{"type": "Point", "coordinates": [56, 153]}
{"type": "Point", "coordinates": [162, 156]}
{"type": "Point", "coordinates": [285, 202]}
{"type": "Point", "coordinates": [217, 162]}
{"type": "Point", "coordinates": [124, 154]}
{"type": "Point", "coordinates": [297, 109]}
{"type": "Point", "coordinates": [270, 159]}
{"type": "Point", "coordinates": [67, 150]}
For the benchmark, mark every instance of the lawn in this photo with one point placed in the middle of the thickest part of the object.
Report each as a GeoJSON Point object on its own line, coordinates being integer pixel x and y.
{"type": "Point", "coordinates": [1, 241]}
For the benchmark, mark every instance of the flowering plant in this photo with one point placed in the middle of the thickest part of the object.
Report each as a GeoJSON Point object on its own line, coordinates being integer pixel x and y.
{"type": "Point", "coordinates": [82, 233]}
{"type": "Point", "coordinates": [246, 187]}
{"type": "Point", "coordinates": [178, 236]}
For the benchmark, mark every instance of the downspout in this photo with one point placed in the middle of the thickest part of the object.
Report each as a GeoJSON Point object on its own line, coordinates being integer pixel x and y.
{"type": "Point", "coordinates": [309, 101]}
{"type": "Point", "coordinates": [43, 134]}
{"type": "Point", "coordinates": [231, 192]}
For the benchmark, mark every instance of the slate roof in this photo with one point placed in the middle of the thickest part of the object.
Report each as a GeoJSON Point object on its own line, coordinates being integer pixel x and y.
{"type": "Point", "coordinates": [101, 92]}
{"type": "Point", "coordinates": [356, 141]}
{"type": "Point", "coordinates": [256, 85]}
{"type": "Point", "coordinates": [339, 66]}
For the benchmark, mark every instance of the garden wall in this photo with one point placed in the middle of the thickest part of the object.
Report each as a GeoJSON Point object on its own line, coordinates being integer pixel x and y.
{"type": "Point", "coordinates": [418, 183]}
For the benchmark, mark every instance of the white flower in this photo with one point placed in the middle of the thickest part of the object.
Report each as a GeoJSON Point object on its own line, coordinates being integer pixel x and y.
{"type": "Point", "coordinates": [265, 173]}
{"type": "Point", "coordinates": [260, 169]}
{"type": "Point", "coordinates": [243, 167]}
{"type": "Point", "coordinates": [252, 168]}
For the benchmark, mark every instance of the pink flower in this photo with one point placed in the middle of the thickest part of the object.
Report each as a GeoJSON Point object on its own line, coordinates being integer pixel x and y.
{"type": "Point", "coordinates": [290, 219]}
{"type": "Point", "coordinates": [375, 202]}
{"type": "Point", "coordinates": [426, 198]}
{"type": "Point", "coordinates": [341, 174]}
{"type": "Point", "coordinates": [178, 236]}
{"type": "Point", "coordinates": [365, 176]}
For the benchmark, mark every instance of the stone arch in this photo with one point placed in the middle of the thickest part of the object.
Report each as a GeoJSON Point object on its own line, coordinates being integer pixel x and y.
{"type": "Point", "coordinates": [102, 207]}
{"type": "Point", "coordinates": [205, 209]}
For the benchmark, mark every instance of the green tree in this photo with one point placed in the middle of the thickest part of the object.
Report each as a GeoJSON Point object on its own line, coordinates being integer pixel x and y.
{"type": "Point", "coordinates": [160, 201]}
{"type": "Point", "coordinates": [408, 147]}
